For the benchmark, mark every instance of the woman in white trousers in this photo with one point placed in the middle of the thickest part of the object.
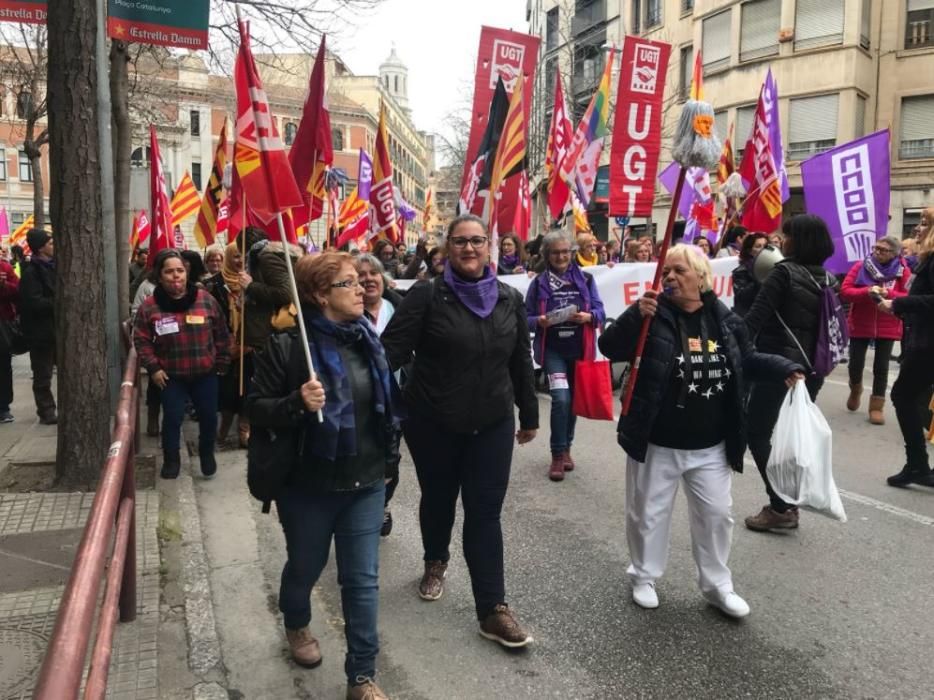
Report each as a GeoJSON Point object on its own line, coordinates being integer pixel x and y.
{"type": "Point", "coordinates": [686, 423]}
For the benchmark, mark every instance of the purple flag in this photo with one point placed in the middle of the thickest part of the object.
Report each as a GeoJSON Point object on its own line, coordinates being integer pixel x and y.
{"type": "Point", "coordinates": [364, 176]}
{"type": "Point", "coordinates": [848, 187]}
{"type": "Point", "coordinates": [4, 224]}
{"type": "Point", "coordinates": [696, 187]}
{"type": "Point", "coordinates": [770, 96]}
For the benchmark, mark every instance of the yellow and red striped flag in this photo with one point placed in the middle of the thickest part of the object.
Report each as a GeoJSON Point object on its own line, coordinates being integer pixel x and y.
{"type": "Point", "coordinates": [18, 237]}
{"type": "Point", "coordinates": [697, 78]}
{"type": "Point", "coordinates": [427, 212]}
{"type": "Point", "coordinates": [312, 152]}
{"type": "Point", "coordinates": [510, 153]}
{"type": "Point", "coordinates": [206, 225]}
{"type": "Point", "coordinates": [185, 201]}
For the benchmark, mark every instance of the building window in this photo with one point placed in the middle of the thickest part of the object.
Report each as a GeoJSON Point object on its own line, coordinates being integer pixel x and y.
{"type": "Point", "coordinates": [919, 27]}
{"type": "Point", "coordinates": [552, 24]}
{"type": "Point", "coordinates": [196, 175]}
{"type": "Point", "coordinates": [865, 21]}
{"type": "Point", "coordinates": [744, 117]}
{"type": "Point", "coordinates": [818, 23]}
{"type": "Point", "coordinates": [721, 124]}
{"type": "Point", "coordinates": [653, 13]}
{"type": "Point", "coordinates": [685, 72]}
{"type": "Point", "coordinates": [716, 42]}
{"type": "Point", "coordinates": [687, 6]}
{"type": "Point", "coordinates": [761, 21]}
{"type": "Point", "coordinates": [17, 218]}
{"type": "Point", "coordinates": [636, 16]}
{"type": "Point", "coordinates": [812, 126]}
{"type": "Point", "coordinates": [139, 158]}
{"type": "Point", "coordinates": [23, 104]}
{"type": "Point", "coordinates": [917, 140]}
{"type": "Point", "coordinates": [195, 121]}
{"type": "Point", "coordinates": [290, 130]}
{"type": "Point", "coordinates": [911, 219]}
{"type": "Point", "coordinates": [588, 66]}
{"type": "Point", "coordinates": [395, 81]}
{"type": "Point", "coordinates": [2, 164]}
{"type": "Point", "coordinates": [337, 139]}
{"type": "Point", "coordinates": [25, 167]}
{"type": "Point", "coordinates": [860, 116]}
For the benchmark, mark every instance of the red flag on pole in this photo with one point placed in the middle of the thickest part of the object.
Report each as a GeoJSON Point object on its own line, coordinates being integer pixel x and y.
{"type": "Point", "coordinates": [162, 232]}
{"type": "Point", "coordinates": [762, 208]}
{"type": "Point", "coordinates": [382, 194]}
{"type": "Point", "coordinates": [559, 140]}
{"type": "Point", "coordinates": [259, 156]}
{"type": "Point", "coordinates": [523, 217]}
{"type": "Point", "coordinates": [312, 153]}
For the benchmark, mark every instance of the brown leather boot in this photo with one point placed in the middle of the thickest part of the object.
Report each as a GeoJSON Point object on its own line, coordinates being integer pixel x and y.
{"type": "Point", "coordinates": [568, 461]}
{"type": "Point", "coordinates": [876, 404]}
{"type": "Point", "coordinates": [556, 469]}
{"type": "Point", "coordinates": [304, 647]}
{"type": "Point", "coordinates": [852, 401]}
{"type": "Point", "coordinates": [243, 433]}
{"type": "Point", "coordinates": [152, 421]}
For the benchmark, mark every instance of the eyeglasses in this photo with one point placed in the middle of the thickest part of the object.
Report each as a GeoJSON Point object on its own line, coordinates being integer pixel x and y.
{"type": "Point", "coordinates": [347, 284]}
{"type": "Point", "coordinates": [882, 249]}
{"type": "Point", "coordinates": [474, 241]}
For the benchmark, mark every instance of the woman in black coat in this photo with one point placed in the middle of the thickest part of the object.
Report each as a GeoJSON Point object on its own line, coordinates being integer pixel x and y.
{"type": "Point", "coordinates": [686, 423]}
{"type": "Point", "coordinates": [745, 285]}
{"type": "Point", "coordinates": [784, 320]}
{"type": "Point", "coordinates": [472, 364]}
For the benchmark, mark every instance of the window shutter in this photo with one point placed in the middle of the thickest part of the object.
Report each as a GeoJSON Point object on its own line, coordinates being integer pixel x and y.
{"type": "Point", "coordinates": [818, 23]}
{"type": "Point", "coordinates": [716, 43]}
{"type": "Point", "coordinates": [914, 5]}
{"type": "Point", "coordinates": [865, 21]}
{"type": "Point", "coordinates": [760, 25]}
{"type": "Point", "coordinates": [744, 117]}
{"type": "Point", "coordinates": [860, 116]}
{"type": "Point", "coordinates": [918, 118]}
{"type": "Point", "coordinates": [721, 123]}
{"type": "Point", "coordinates": [813, 119]}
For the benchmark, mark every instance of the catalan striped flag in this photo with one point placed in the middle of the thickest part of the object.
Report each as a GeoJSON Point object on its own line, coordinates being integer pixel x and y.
{"type": "Point", "coordinates": [725, 166]}
{"type": "Point", "coordinates": [206, 226]}
{"type": "Point", "coordinates": [510, 152]}
{"type": "Point", "coordinates": [185, 202]}
{"type": "Point", "coordinates": [353, 219]}
{"type": "Point", "coordinates": [18, 237]}
{"type": "Point", "coordinates": [426, 216]}
{"type": "Point", "coordinates": [697, 78]}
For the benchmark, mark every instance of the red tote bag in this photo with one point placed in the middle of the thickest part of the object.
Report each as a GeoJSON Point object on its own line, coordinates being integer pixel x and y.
{"type": "Point", "coordinates": [593, 390]}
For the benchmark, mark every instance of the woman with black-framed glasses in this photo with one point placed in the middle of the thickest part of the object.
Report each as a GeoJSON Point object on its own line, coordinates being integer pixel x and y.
{"type": "Point", "coordinates": [472, 363]}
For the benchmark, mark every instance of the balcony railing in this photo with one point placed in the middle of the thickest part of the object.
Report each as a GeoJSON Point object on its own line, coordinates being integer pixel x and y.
{"type": "Point", "coordinates": [919, 29]}
{"type": "Point", "coordinates": [921, 148]}
{"type": "Point", "coordinates": [805, 149]}
{"type": "Point", "coordinates": [588, 16]}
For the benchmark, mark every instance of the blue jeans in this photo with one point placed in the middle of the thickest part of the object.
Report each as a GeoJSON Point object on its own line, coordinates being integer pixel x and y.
{"type": "Point", "coordinates": [203, 394]}
{"type": "Point", "coordinates": [563, 419]}
{"type": "Point", "coordinates": [353, 519]}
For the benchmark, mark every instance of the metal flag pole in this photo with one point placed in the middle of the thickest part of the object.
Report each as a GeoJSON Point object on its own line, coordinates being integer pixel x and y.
{"type": "Point", "coordinates": [243, 224]}
{"type": "Point", "coordinates": [298, 305]}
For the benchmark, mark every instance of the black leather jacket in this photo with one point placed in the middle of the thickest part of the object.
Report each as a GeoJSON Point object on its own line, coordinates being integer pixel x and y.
{"type": "Point", "coordinates": [618, 343]}
{"type": "Point", "coordinates": [467, 372]}
{"type": "Point", "coordinates": [917, 309]}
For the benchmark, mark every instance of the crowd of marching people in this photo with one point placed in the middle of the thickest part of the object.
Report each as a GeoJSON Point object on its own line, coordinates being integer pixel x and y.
{"type": "Point", "coordinates": [447, 367]}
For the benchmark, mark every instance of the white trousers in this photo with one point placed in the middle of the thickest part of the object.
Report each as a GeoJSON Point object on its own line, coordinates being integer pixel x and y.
{"type": "Point", "coordinates": [650, 496]}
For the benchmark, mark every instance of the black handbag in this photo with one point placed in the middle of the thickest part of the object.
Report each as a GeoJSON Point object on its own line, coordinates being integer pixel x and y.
{"type": "Point", "coordinates": [12, 340]}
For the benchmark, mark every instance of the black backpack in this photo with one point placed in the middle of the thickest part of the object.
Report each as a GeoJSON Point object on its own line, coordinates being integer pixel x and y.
{"type": "Point", "coordinates": [273, 452]}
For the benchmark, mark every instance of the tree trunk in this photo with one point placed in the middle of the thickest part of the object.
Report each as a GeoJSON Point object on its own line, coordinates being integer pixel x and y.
{"type": "Point", "coordinates": [38, 190]}
{"type": "Point", "coordinates": [120, 122]}
{"type": "Point", "coordinates": [76, 213]}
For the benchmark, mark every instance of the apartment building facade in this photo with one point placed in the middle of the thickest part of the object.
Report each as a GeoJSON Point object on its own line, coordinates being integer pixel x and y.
{"type": "Point", "coordinates": [844, 68]}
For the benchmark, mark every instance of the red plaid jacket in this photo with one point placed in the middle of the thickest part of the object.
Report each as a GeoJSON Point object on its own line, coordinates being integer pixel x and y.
{"type": "Point", "coordinates": [185, 344]}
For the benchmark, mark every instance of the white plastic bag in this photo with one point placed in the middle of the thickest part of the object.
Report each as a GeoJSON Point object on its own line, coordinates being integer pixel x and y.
{"type": "Point", "coordinates": [800, 465]}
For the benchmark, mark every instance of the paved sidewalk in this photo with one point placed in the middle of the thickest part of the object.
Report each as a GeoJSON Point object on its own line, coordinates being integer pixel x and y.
{"type": "Point", "coordinates": [39, 535]}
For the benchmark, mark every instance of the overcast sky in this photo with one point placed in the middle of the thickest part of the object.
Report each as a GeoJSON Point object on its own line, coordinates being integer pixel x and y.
{"type": "Point", "coordinates": [437, 40]}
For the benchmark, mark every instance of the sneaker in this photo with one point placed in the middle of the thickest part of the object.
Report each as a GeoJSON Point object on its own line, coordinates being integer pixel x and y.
{"type": "Point", "coordinates": [501, 626]}
{"type": "Point", "coordinates": [208, 467]}
{"type": "Point", "coordinates": [171, 466]}
{"type": "Point", "coordinates": [769, 519]}
{"type": "Point", "coordinates": [729, 603]}
{"type": "Point", "coordinates": [568, 462]}
{"type": "Point", "coordinates": [366, 690]}
{"type": "Point", "coordinates": [387, 524]}
{"type": "Point", "coordinates": [907, 476]}
{"type": "Point", "coordinates": [431, 587]}
{"type": "Point", "coordinates": [6, 417]}
{"type": "Point", "coordinates": [303, 647]}
{"type": "Point", "coordinates": [556, 468]}
{"type": "Point", "coordinates": [644, 595]}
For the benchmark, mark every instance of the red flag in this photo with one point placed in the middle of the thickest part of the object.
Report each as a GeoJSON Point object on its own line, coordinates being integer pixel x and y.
{"type": "Point", "coordinates": [762, 208]}
{"type": "Point", "coordinates": [523, 217]}
{"type": "Point", "coordinates": [163, 235]}
{"type": "Point", "coordinates": [559, 140]}
{"type": "Point", "coordinates": [312, 152]}
{"type": "Point", "coordinates": [259, 156]}
{"type": "Point", "coordinates": [382, 195]}
{"type": "Point", "coordinates": [141, 229]}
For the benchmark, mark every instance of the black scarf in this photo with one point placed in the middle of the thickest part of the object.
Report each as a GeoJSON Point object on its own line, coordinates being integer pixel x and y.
{"type": "Point", "coordinates": [168, 304]}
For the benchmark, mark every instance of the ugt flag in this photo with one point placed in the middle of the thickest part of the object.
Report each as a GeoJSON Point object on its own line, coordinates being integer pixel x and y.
{"type": "Point", "coordinates": [848, 187]}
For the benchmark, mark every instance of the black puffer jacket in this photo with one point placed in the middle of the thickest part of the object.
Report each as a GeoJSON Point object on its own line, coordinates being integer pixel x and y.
{"type": "Point", "coordinates": [468, 372]}
{"type": "Point", "coordinates": [618, 343]}
{"type": "Point", "coordinates": [37, 304]}
{"type": "Point", "coordinates": [790, 291]}
{"type": "Point", "coordinates": [917, 309]}
{"type": "Point", "coordinates": [745, 289]}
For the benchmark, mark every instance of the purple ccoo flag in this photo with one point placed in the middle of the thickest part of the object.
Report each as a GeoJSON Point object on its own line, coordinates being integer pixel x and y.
{"type": "Point", "coordinates": [770, 96]}
{"type": "Point", "coordinates": [848, 187]}
{"type": "Point", "coordinates": [364, 176]}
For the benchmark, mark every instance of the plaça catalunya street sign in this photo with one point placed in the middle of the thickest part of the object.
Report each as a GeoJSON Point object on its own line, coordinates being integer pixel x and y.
{"type": "Point", "coordinates": [181, 23]}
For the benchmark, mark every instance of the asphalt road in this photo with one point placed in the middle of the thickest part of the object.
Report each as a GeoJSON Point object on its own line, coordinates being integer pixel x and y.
{"type": "Point", "coordinates": [838, 610]}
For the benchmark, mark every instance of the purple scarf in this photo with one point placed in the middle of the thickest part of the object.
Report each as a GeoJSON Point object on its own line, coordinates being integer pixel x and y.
{"type": "Point", "coordinates": [479, 295]}
{"type": "Point", "coordinates": [550, 281]}
{"type": "Point", "coordinates": [872, 273]}
{"type": "Point", "coordinates": [509, 262]}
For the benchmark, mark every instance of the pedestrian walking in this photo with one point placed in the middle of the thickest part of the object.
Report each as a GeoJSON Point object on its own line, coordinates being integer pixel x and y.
{"type": "Point", "coordinates": [227, 290]}
{"type": "Point", "coordinates": [586, 255]}
{"type": "Point", "coordinates": [37, 319]}
{"type": "Point", "coordinates": [267, 287]}
{"type": "Point", "coordinates": [686, 423]}
{"type": "Point", "coordinates": [560, 303]}
{"type": "Point", "coordinates": [9, 296]}
{"type": "Point", "coordinates": [784, 320]}
{"type": "Point", "coordinates": [882, 275]}
{"type": "Point", "coordinates": [214, 257]}
{"type": "Point", "coordinates": [335, 490]}
{"type": "Point", "coordinates": [180, 334]}
{"type": "Point", "coordinates": [912, 388]}
{"type": "Point", "coordinates": [137, 269]}
{"type": "Point", "coordinates": [511, 255]}
{"type": "Point", "coordinates": [472, 363]}
{"type": "Point", "coordinates": [745, 285]}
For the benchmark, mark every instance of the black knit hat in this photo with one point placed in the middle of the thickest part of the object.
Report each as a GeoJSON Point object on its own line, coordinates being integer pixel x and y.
{"type": "Point", "coordinates": [36, 238]}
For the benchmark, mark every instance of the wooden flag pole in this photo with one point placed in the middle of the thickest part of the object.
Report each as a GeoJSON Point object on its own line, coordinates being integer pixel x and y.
{"type": "Point", "coordinates": [298, 305]}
